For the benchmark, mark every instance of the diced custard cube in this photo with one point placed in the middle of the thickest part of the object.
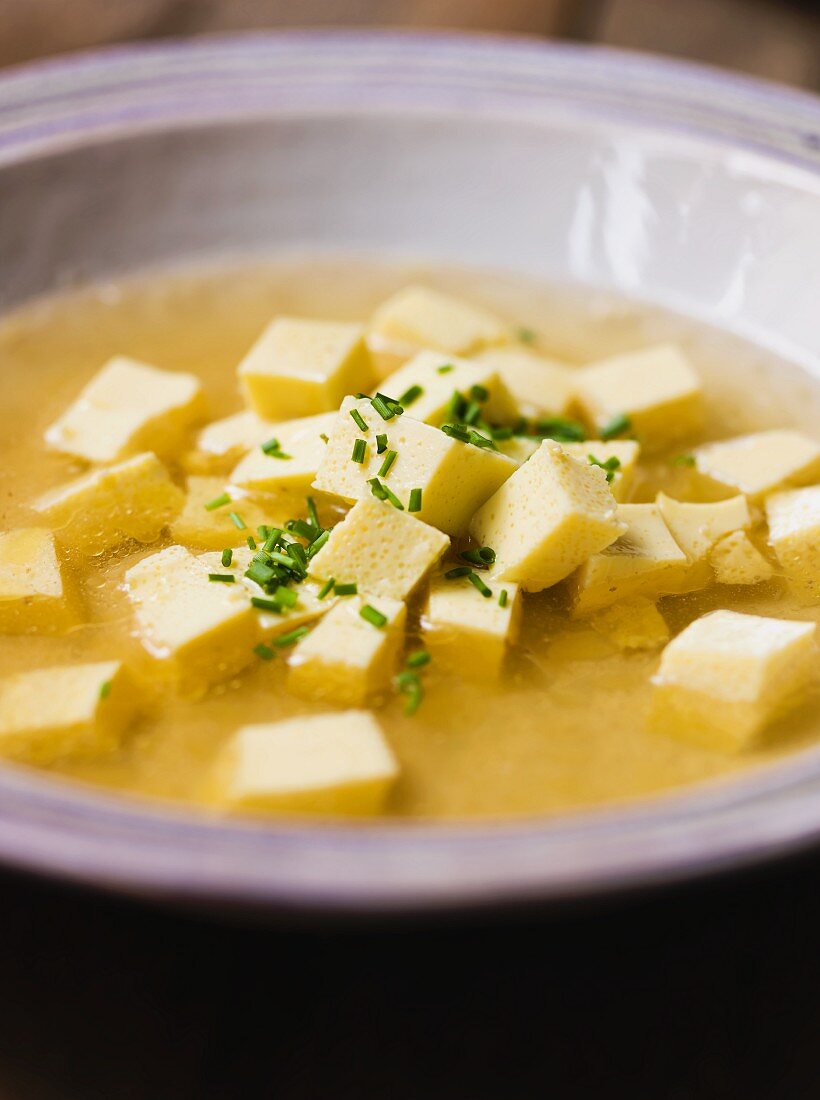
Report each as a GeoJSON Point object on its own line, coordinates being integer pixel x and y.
{"type": "Point", "coordinates": [698, 527]}
{"type": "Point", "coordinates": [627, 452]}
{"type": "Point", "coordinates": [135, 499]}
{"type": "Point", "coordinates": [794, 532]}
{"type": "Point", "coordinates": [467, 633]}
{"type": "Point", "coordinates": [438, 388]}
{"type": "Point", "coordinates": [736, 560]}
{"type": "Point", "coordinates": [632, 624]}
{"type": "Point", "coordinates": [298, 367]}
{"type": "Point", "coordinates": [126, 408]}
{"type": "Point", "coordinates": [759, 464]}
{"type": "Point", "coordinates": [728, 675]}
{"type": "Point", "coordinates": [539, 386]}
{"type": "Point", "coordinates": [338, 763]}
{"type": "Point", "coordinates": [656, 388]}
{"type": "Point", "coordinates": [203, 631]}
{"type": "Point", "coordinates": [212, 528]}
{"type": "Point", "coordinates": [34, 595]}
{"type": "Point", "coordinates": [644, 561]}
{"type": "Point", "coordinates": [430, 319]}
{"type": "Point", "coordinates": [548, 518]}
{"type": "Point", "coordinates": [346, 659]}
{"type": "Point", "coordinates": [222, 443]}
{"type": "Point", "coordinates": [384, 551]}
{"type": "Point", "coordinates": [64, 712]}
{"type": "Point", "coordinates": [292, 467]}
{"type": "Point", "coordinates": [455, 477]}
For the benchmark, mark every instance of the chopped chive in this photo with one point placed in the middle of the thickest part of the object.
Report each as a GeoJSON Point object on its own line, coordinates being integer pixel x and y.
{"type": "Point", "coordinates": [286, 597]}
{"type": "Point", "coordinates": [318, 543]}
{"type": "Point", "coordinates": [371, 615]}
{"type": "Point", "coordinates": [482, 557]}
{"type": "Point", "coordinates": [501, 433]}
{"type": "Point", "coordinates": [561, 429]}
{"type": "Point", "coordinates": [359, 420]}
{"type": "Point", "coordinates": [619, 424]}
{"type": "Point", "coordinates": [313, 513]}
{"type": "Point", "coordinates": [227, 557]}
{"type": "Point", "coordinates": [479, 393]}
{"type": "Point", "coordinates": [273, 449]}
{"type": "Point", "coordinates": [386, 407]}
{"type": "Point", "coordinates": [298, 553]}
{"type": "Point", "coordinates": [526, 335]}
{"type": "Point", "coordinates": [302, 528]}
{"type": "Point", "coordinates": [237, 521]}
{"type": "Point", "coordinates": [456, 431]}
{"type": "Point", "coordinates": [251, 541]}
{"type": "Point", "coordinates": [478, 583]}
{"type": "Point", "coordinates": [291, 638]}
{"type": "Point", "coordinates": [271, 539]}
{"type": "Point", "coordinates": [263, 530]}
{"type": "Point", "coordinates": [502, 598]}
{"type": "Point", "coordinates": [456, 406]}
{"type": "Point", "coordinates": [359, 450]}
{"type": "Point", "coordinates": [418, 658]}
{"type": "Point", "coordinates": [409, 684]}
{"type": "Point", "coordinates": [264, 652]}
{"type": "Point", "coordinates": [218, 502]}
{"type": "Point", "coordinates": [459, 571]}
{"type": "Point", "coordinates": [610, 466]}
{"type": "Point", "coordinates": [324, 438]}
{"type": "Point", "coordinates": [325, 589]}
{"type": "Point", "coordinates": [222, 578]}
{"type": "Point", "coordinates": [414, 504]}
{"type": "Point", "coordinates": [389, 459]}
{"type": "Point", "coordinates": [105, 689]}
{"type": "Point", "coordinates": [266, 605]}
{"type": "Point", "coordinates": [473, 413]}
{"type": "Point", "coordinates": [445, 368]}
{"type": "Point", "coordinates": [346, 589]}
{"type": "Point", "coordinates": [381, 444]}
{"type": "Point", "coordinates": [410, 395]}
{"type": "Point", "coordinates": [381, 492]}
{"type": "Point", "coordinates": [479, 440]}
{"type": "Point", "coordinates": [260, 573]}
{"type": "Point", "coordinates": [683, 460]}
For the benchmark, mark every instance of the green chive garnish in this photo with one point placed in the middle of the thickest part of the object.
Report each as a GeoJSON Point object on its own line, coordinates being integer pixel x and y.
{"type": "Point", "coordinates": [386, 407]}
{"type": "Point", "coordinates": [218, 502]}
{"type": "Point", "coordinates": [346, 589]}
{"type": "Point", "coordinates": [414, 504]}
{"type": "Point", "coordinates": [410, 395]}
{"type": "Point", "coordinates": [359, 450]}
{"type": "Point", "coordinates": [445, 368]}
{"type": "Point", "coordinates": [325, 589]}
{"type": "Point", "coordinates": [409, 684]}
{"type": "Point", "coordinates": [484, 556]}
{"type": "Point", "coordinates": [381, 444]}
{"type": "Point", "coordinates": [381, 492]}
{"type": "Point", "coordinates": [371, 615]}
{"type": "Point", "coordinates": [459, 571]}
{"type": "Point", "coordinates": [260, 573]}
{"type": "Point", "coordinates": [313, 513]}
{"type": "Point", "coordinates": [610, 466]}
{"type": "Point", "coordinates": [418, 658]}
{"type": "Point", "coordinates": [359, 420]}
{"type": "Point", "coordinates": [502, 598]}
{"type": "Point", "coordinates": [479, 440]}
{"type": "Point", "coordinates": [264, 652]}
{"type": "Point", "coordinates": [251, 541]}
{"type": "Point", "coordinates": [105, 689]}
{"type": "Point", "coordinates": [478, 583]}
{"type": "Point", "coordinates": [286, 597]}
{"type": "Point", "coordinates": [683, 460]}
{"type": "Point", "coordinates": [324, 438]}
{"type": "Point", "coordinates": [291, 638]}
{"type": "Point", "coordinates": [222, 578]}
{"type": "Point", "coordinates": [619, 424]}
{"type": "Point", "coordinates": [273, 449]}
{"type": "Point", "coordinates": [526, 335]}
{"type": "Point", "coordinates": [561, 430]}
{"type": "Point", "coordinates": [389, 459]}
{"type": "Point", "coordinates": [479, 393]}
{"type": "Point", "coordinates": [227, 557]}
{"type": "Point", "coordinates": [265, 605]}
{"type": "Point", "coordinates": [456, 431]}
{"type": "Point", "coordinates": [318, 543]}
{"type": "Point", "coordinates": [237, 521]}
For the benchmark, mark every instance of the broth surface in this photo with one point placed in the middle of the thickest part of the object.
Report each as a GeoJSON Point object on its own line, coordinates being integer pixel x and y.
{"type": "Point", "coordinates": [565, 728]}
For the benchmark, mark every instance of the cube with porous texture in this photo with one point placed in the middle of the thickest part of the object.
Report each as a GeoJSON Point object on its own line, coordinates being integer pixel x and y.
{"type": "Point", "coordinates": [455, 478]}
{"type": "Point", "coordinates": [759, 464]}
{"type": "Point", "coordinates": [438, 377]}
{"type": "Point", "coordinates": [299, 368]}
{"type": "Point", "coordinates": [290, 466]}
{"type": "Point", "coordinates": [431, 319]}
{"type": "Point", "coordinates": [348, 659]}
{"type": "Point", "coordinates": [736, 560]}
{"type": "Point", "coordinates": [202, 631]}
{"type": "Point", "coordinates": [697, 528]}
{"type": "Point", "coordinates": [632, 624]}
{"type": "Point", "coordinates": [384, 551]}
{"type": "Point", "coordinates": [539, 386]}
{"type": "Point", "coordinates": [135, 499]}
{"type": "Point", "coordinates": [126, 408]}
{"type": "Point", "coordinates": [35, 596]}
{"type": "Point", "coordinates": [794, 532]}
{"type": "Point", "coordinates": [656, 388]}
{"type": "Point", "coordinates": [644, 561]}
{"type": "Point", "coordinates": [728, 675]}
{"type": "Point", "coordinates": [547, 519]}
{"type": "Point", "coordinates": [625, 451]}
{"type": "Point", "coordinates": [468, 633]}
{"type": "Point", "coordinates": [222, 443]}
{"type": "Point", "coordinates": [213, 528]}
{"type": "Point", "coordinates": [337, 763]}
{"type": "Point", "coordinates": [65, 712]}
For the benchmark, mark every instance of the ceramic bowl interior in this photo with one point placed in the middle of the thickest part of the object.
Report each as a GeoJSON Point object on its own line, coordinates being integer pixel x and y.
{"type": "Point", "coordinates": [673, 184]}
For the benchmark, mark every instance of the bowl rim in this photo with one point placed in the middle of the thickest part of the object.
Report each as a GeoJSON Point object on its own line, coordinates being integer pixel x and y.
{"type": "Point", "coordinates": [65, 829]}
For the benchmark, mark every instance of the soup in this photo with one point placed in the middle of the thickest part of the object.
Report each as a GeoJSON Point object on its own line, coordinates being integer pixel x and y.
{"type": "Point", "coordinates": [518, 592]}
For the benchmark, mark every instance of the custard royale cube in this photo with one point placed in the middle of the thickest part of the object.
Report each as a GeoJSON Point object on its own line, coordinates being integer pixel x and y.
{"type": "Point", "coordinates": [625, 452]}
{"type": "Point", "coordinates": [382, 550]}
{"type": "Point", "coordinates": [539, 386]}
{"type": "Point", "coordinates": [655, 388]}
{"type": "Point", "coordinates": [634, 624]}
{"type": "Point", "coordinates": [794, 533]}
{"type": "Point", "coordinates": [348, 659]}
{"type": "Point", "coordinates": [698, 528]}
{"type": "Point", "coordinates": [644, 561]}
{"type": "Point", "coordinates": [455, 478]}
{"type": "Point", "coordinates": [199, 630]}
{"type": "Point", "coordinates": [467, 633]}
{"type": "Point", "coordinates": [728, 675]}
{"type": "Point", "coordinates": [206, 518]}
{"type": "Point", "coordinates": [338, 763]}
{"type": "Point", "coordinates": [548, 518]}
{"type": "Point", "coordinates": [286, 460]}
{"type": "Point", "coordinates": [34, 595]}
{"type": "Point", "coordinates": [134, 499]}
{"type": "Point", "coordinates": [222, 443]}
{"type": "Point", "coordinates": [65, 712]}
{"type": "Point", "coordinates": [126, 408]}
{"type": "Point", "coordinates": [760, 463]}
{"type": "Point", "coordinates": [429, 319]}
{"type": "Point", "coordinates": [298, 367]}
{"type": "Point", "coordinates": [430, 380]}
{"type": "Point", "coordinates": [736, 560]}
